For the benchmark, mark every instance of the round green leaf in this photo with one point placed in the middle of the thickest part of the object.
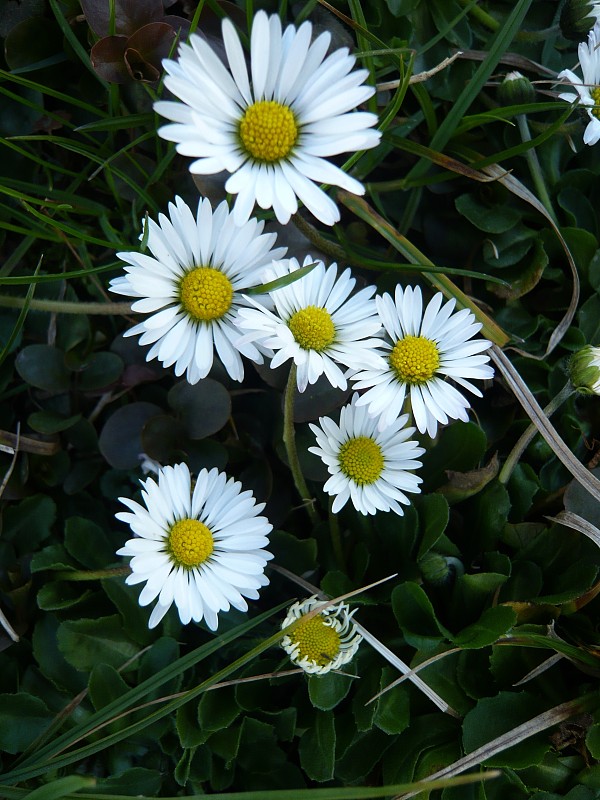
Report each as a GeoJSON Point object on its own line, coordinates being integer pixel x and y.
{"type": "Point", "coordinates": [204, 408]}
{"type": "Point", "coordinates": [22, 719]}
{"type": "Point", "coordinates": [120, 441]}
{"type": "Point", "coordinates": [43, 367]}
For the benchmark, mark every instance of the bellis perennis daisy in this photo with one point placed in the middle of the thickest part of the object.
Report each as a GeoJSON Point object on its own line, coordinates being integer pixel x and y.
{"type": "Point", "coordinates": [421, 350]}
{"type": "Point", "coordinates": [323, 642]}
{"type": "Point", "coordinates": [198, 546]}
{"type": "Point", "coordinates": [587, 91]}
{"type": "Point", "coordinates": [371, 468]}
{"type": "Point", "coordinates": [192, 287]}
{"type": "Point", "coordinates": [317, 323]}
{"type": "Point", "coordinates": [274, 128]}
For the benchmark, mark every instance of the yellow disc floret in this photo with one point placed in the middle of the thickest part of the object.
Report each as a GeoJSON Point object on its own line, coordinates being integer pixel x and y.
{"type": "Point", "coordinates": [189, 543]}
{"type": "Point", "coordinates": [316, 640]}
{"type": "Point", "coordinates": [268, 131]}
{"type": "Point", "coordinates": [313, 328]}
{"type": "Point", "coordinates": [595, 95]}
{"type": "Point", "coordinates": [361, 460]}
{"type": "Point", "coordinates": [414, 359]}
{"type": "Point", "coordinates": [205, 294]}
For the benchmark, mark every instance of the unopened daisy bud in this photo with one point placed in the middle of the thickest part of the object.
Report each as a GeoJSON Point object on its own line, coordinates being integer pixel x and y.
{"type": "Point", "coordinates": [578, 17]}
{"type": "Point", "coordinates": [322, 642]}
{"type": "Point", "coordinates": [516, 89]}
{"type": "Point", "coordinates": [584, 370]}
{"type": "Point", "coordinates": [438, 570]}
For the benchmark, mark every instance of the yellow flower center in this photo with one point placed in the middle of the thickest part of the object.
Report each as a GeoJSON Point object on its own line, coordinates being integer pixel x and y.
{"type": "Point", "coordinates": [205, 294]}
{"type": "Point", "coordinates": [313, 328]}
{"type": "Point", "coordinates": [268, 131]}
{"type": "Point", "coordinates": [316, 640]}
{"type": "Point", "coordinates": [595, 95]}
{"type": "Point", "coordinates": [361, 460]}
{"type": "Point", "coordinates": [190, 543]}
{"type": "Point", "coordinates": [415, 359]}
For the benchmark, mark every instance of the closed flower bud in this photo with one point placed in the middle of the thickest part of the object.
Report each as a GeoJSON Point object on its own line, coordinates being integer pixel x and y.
{"type": "Point", "coordinates": [577, 18]}
{"type": "Point", "coordinates": [516, 89]}
{"type": "Point", "coordinates": [438, 570]}
{"type": "Point", "coordinates": [584, 370]}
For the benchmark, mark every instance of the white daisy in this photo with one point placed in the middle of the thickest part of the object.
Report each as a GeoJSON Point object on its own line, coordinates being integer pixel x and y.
{"type": "Point", "coordinates": [317, 323]}
{"type": "Point", "coordinates": [421, 351]}
{"type": "Point", "coordinates": [326, 641]}
{"type": "Point", "coordinates": [369, 467]}
{"type": "Point", "coordinates": [273, 129]}
{"type": "Point", "coordinates": [584, 370]}
{"type": "Point", "coordinates": [192, 287]}
{"type": "Point", "coordinates": [198, 546]}
{"type": "Point", "coordinates": [587, 91]}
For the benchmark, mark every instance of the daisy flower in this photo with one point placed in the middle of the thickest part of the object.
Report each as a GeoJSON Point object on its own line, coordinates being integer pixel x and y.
{"type": "Point", "coordinates": [197, 545]}
{"type": "Point", "coordinates": [584, 370]}
{"type": "Point", "coordinates": [272, 129]}
{"type": "Point", "coordinates": [317, 323]}
{"type": "Point", "coordinates": [326, 641]}
{"type": "Point", "coordinates": [587, 91]}
{"type": "Point", "coordinates": [192, 287]}
{"type": "Point", "coordinates": [369, 467]}
{"type": "Point", "coordinates": [421, 351]}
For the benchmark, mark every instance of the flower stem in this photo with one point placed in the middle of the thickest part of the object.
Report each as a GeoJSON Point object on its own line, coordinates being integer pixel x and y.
{"type": "Point", "coordinates": [530, 432]}
{"type": "Point", "coordinates": [66, 306]}
{"type": "Point", "coordinates": [325, 246]}
{"type": "Point", "coordinates": [482, 16]}
{"type": "Point", "coordinates": [91, 574]}
{"type": "Point", "coordinates": [534, 167]}
{"type": "Point", "coordinates": [289, 440]}
{"type": "Point", "coordinates": [336, 539]}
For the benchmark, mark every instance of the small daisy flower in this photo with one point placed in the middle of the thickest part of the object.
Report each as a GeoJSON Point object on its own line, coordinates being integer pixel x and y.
{"type": "Point", "coordinates": [271, 130]}
{"type": "Point", "coordinates": [198, 546]}
{"type": "Point", "coordinates": [317, 323]}
{"type": "Point", "coordinates": [421, 351]}
{"type": "Point", "coordinates": [369, 467]}
{"type": "Point", "coordinates": [584, 370]}
{"type": "Point", "coordinates": [587, 91]}
{"type": "Point", "coordinates": [323, 642]}
{"type": "Point", "coordinates": [192, 287]}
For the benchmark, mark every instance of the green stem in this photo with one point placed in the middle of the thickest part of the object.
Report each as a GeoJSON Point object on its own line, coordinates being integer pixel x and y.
{"type": "Point", "coordinates": [289, 440]}
{"type": "Point", "coordinates": [482, 16]}
{"type": "Point", "coordinates": [530, 432]}
{"type": "Point", "coordinates": [534, 167]}
{"type": "Point", "coordinates": [66, 306]}
{"type": "Point", "coordinates": [91, 575]}
{"type": "Point", "coordinates": [336, 539]}
{"type": "Point", "coordinates": [314, 237]}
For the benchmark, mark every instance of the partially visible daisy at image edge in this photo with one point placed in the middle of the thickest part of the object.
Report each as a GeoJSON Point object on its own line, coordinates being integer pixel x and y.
{"type": "Point", "coordinates": [323, 642]}
{"type": "Point", "coordinates": [272, 130]}
{"type": "Point", "coordinates": [192, 285]}
{"type": "Point", "coordinates": [198, 545]}
{"type": "Point", "coordinates": [373, 469]}
{"type": "Point", "coordinates": [587, 91]}
{"type": "Point", "coordinates": [422, 349]}
{"type": "Point", "coordinates": [316, 322]}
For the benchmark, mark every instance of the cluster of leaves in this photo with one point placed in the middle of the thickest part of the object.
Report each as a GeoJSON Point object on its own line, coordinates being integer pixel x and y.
{"type": "Point", "coordinates": [486, 586]}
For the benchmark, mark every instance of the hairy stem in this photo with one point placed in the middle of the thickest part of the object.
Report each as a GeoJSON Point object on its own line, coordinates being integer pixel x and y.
{"type": "Point", "coordinates": [289, 440]}
{"type": "Point", "coordinates": [66, 306]}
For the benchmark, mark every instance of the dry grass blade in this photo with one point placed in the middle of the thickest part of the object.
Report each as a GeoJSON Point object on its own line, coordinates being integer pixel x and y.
{"type": "Point", "coordinates": [412, 672]}
{"type": "Point", "coordinates": [577, 523]}
{"type": "Point", "coordinates": [420, 77]}
{"type": "Point", "coordinates": [545, 665]}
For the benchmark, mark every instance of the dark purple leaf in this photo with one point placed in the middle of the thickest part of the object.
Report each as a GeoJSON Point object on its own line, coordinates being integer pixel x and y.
{"type": "Point", "coordinates": [107, 57]}
{"type": "Point", "coordinates": [129, 15]}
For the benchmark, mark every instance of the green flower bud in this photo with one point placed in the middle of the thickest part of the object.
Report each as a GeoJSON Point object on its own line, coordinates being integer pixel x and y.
{"type": "Point", "coordinates": [439, 570]}
{"type": "Point", "coordinates": [516, 89]}
{"type": "Point", "coordinates": [584, 370]}
{"type": "Point", "coordinates": [577, 18]}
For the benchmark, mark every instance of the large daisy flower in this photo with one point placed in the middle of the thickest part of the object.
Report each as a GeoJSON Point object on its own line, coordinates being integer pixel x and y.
{"type": "Point", "coordinates": [317, 323]}
{"type": "Point", "coordinates": [422, 350]}
{"type": "Point", "coordinates": [273, 129]}
{"type": "Point", "coordinates": [587, 91]}
{"type": "Point", "coordinates": [192, 286]}
{"type": "Point", "coordinates": [323, 642]}
{"type": "Point", "coordinates": [198, 546]}
{"type": "Point", "coordinates": [371, 468]}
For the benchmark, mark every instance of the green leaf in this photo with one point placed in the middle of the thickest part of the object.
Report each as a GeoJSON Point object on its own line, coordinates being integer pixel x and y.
{"type": "Point", "coordinates": [460, 447]}
{"type": "Point", "coordinates": [61, 787]}
{"type": "Point", "coordinates": [433, 515]}
{"type": "Point", "coordinates": [493, 623]}
{"type": "Point", "coordinates": [592, 740]}
{"type": "Point", "coordinates": [491, 219]}
{"type": "Point", "coordinates": [105, 685]}
{"type": "Point", "coordinates": [88, 543]}
{"type": "Point", "coordinates": [416, 616]}
{"type": "Point", "coordinates": [327, 691]}
{"type": "Point", "coordinates": [58, 595]}
{"type": "Point", "coordinates": [393, 708]}
{"type": "Point", "coordinates": [87, 642]}
{"type": "Point", "coordinates": [22, 719]}
{"type": "Point", "coordinates": [29, 522]}
{"type": "Point", "coordinates": [43, 366]}
{"type": "Point", "coordinates": [49, 422]}
{"type": "Point", "coordinates": [204, 407]}
{"type": "Point", "coordinates": [134, 781]}
{"type": "Point", "coordinates": [120, 440]}
{"type": "Point", "coordinates": [317, 748]}
{"type": "Point", "coordinates": [217, 709]}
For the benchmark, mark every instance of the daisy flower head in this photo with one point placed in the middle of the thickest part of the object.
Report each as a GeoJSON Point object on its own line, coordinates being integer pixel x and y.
{"type": "Point", "coordinates": [196, 545]}
{"type": "Point", "coordinates": [191, 286]}
{"type": "Point", "coordinates": [323, 642]}
{"type": "Point", "coordinates": [315, 322]}
{"type": "Point", "coordinates": [587, 91]}
{"type": "Point", "coordinates": [371, 468]}
{"type": "Point", "coordinates": [584, 370]}
{"type": "Point", "coordinates": [421, 350]}
{"type": "Point", "coordinates": [271, 129]}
